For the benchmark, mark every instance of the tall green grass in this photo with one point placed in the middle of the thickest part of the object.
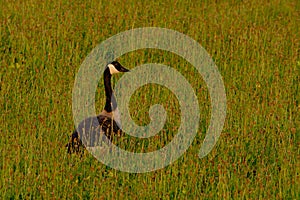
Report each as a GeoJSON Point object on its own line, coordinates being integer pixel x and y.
{"type": "Point", "coordinates": [255, 45]}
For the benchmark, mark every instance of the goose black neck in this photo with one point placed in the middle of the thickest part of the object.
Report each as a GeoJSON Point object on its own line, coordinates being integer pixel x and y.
{"type": "Point", "coordinates": [110, 99]}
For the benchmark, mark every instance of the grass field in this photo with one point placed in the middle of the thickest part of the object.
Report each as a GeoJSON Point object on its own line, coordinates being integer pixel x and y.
{"type": "Point", "coordinates": [256, 46]}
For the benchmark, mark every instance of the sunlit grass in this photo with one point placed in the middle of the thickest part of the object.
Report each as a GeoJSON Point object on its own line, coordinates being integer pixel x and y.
{"type": "Point", "coordinates": [255, 45]}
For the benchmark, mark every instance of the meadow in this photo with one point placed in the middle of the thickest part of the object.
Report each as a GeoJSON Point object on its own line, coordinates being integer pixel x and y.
{"type": "Point", "coordinates": [256, 46]}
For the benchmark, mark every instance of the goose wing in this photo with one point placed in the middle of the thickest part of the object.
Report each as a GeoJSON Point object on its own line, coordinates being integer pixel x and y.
{"type": "Point", "coordinates": [91, 132]}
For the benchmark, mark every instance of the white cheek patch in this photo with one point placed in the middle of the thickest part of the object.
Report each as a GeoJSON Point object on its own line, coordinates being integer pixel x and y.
{"type": "Point", "coordinates": [112, 69]}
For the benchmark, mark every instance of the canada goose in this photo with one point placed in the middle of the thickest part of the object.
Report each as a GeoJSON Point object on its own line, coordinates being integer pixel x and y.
{"type": "Point", "coordinates": [91, 129]}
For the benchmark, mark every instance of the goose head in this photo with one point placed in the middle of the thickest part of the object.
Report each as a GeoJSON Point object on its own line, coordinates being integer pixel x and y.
{"type": "Point", "coordinates": [115, 67]}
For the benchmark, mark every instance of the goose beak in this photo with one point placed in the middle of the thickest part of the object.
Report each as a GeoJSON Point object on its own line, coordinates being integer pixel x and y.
{"type": "Point", "coordinates": [123, 69]}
